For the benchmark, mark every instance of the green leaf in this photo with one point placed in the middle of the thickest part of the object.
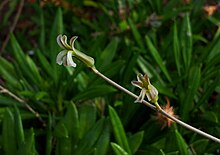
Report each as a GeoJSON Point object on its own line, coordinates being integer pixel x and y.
{"type": "Point", "coordinates": [21, 59]}
{"type": "Point", "coordinates": [19, 128]}
{"type": "Point", "coordinates": [165, 90]}
{"type": "Point", "coordinates": [103, 141]}
{"type": "Point", "coordinates": [130, 64]}
{"type": "Point", "coordinates": [199, 146]}
{"type": "Point", "coordinates": [57, 28]}
{"type": "Point", "coordinates": [49, 137]}
{"type": "Point", "coordinates": [8, 101]}
{"type": "Point", "coordinates": [7, 71]}
{"type": "Point", "coordinates": [113, 68]}
{"type": "Point", "coordinates": [108, 54]}
{"type": "Point", "coordinates": [173, 153]}
{"type": "Point", "coordinates": [45, 64]}
{"type": "Point", "coordinates": [207, 92]}
{"type": "Point", "coordinates": [214, 49]}
{"type": "Point", "coordinates": [66, 131]}
{"type": "Point", "coordinates": [176, 48]}
{"type": "Point", "coordinates": [87, 117]}
{"type": "Point", "coordinates": [88, 141]}
{"type": "Point", "coordinates": [8, 133]}
{"type": "Point", "coordinates": [71, 122]}
{"type": "Point", "coordinates": [178, 143]}
{"type": "Point", "coordinates": [136, 34]}
{"type": "Point", "coordinates": [118, 150]}
{"type": "Point", "coordinates": [119, 131]}
{"type": "Point", "coordinates": [29, 147]}
{"type": "Point", "coordinates": [192, 87]}
{"type": "Point", "coordinates": [186, 41]}
{"type": "Point", "coordinates": [60, 130]}
{"type": "Point", "coordinates": [157, 57]}
{"type": "Point", "coordinates": [150, 150]}
{"type": "Point", "coordinates": [135, 141]}
{"type": "Point", "coordinates": [64, 146]}
{"type": "Point", "coordinates": [94, 91]}
{"type": "Point", "coordinates": [156, 5]}
{"type": "Point", "coordinates": [33, 70]}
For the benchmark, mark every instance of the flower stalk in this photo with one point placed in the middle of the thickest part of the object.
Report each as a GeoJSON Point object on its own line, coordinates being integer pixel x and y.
{"type": "Point", "coordinates": [65, 57]}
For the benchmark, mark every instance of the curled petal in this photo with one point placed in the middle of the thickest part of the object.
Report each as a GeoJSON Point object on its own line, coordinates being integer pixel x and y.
{"type": "Point", "coordinates": [70, 59]}
{"type": "Point", "coordinates": [64, 42]}
{"type": "Point", "coordinates": [59, 38]}
{"type": "Point", "coordinates": [140, 77]}
{"type": "Point", "coordinates": [60, 57]}
{"type": "Point", "coordinates": [137, 84]}
{"type": "Point", "coordinates": [72, 41]}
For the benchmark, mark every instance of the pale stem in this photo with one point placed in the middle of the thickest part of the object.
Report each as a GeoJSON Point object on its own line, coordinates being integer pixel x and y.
{"type": "Point", "coordinates": [155, 108]}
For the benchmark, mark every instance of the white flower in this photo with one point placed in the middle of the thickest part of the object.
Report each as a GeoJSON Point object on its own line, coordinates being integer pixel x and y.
{"type": "Point", "coordinates": [65, 56]}
{"type": "Point", "coordinates": [143, 82]}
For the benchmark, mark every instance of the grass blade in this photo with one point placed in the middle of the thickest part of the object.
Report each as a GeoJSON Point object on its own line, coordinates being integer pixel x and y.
{"type": "Point", "coordinates": [176, 48]}
{"type": "Point", "coordinates": [8, 133]}
{"type": "Point", "coordinates": [186, 41]}
{"type": "Point", "coordinates": [118, 129]}
{"type": "Point", "coordinates": [103, 141]}
{"type": "Point", "coordinates": [157, 57]}
{"type": "Point", "coordinates": [193, 85]}
{"type": "Point", "coordinates": [19, 128]}
{"type": "Point", "coordinates": [137, 35]}
{"type": "Point", "coordinates": [135, 141]}
{"type": "Point", "coordinates": [118, 150]}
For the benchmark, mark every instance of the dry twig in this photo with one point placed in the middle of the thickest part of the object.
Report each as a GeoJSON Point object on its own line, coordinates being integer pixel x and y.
{"type": "Point", "coordinates": [6, 91]}
{"type": "Point", "coordinates": [20, 7]}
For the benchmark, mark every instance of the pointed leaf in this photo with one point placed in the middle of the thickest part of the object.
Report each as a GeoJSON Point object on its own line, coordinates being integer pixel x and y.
{"type": "Point", "coordinates": [199, 146]}
{"type": "Point", "coordinates": [19, 128]}
{"type": "Point", "coordinates": [94, 91]}
{"type": "Point", "coordinates": [29, 146]}
{"type": "Point", "coordinates": [154, 52]}
{"type": "Point", "coordinates": [108, 54]}
{"type": "Point", "coordinates": [186, 41]}
{"type": "Point", "coordinates": [135, 141]}
{"type": "Point", "coordinates": [119, 131]}
{"type": "Point", "coordinates": [88, 141]}
{"type": "Point", "coordinates": [103, 141]}
{"type": "Point", "coordinates": [8, 133]}
{"type": "Point", "coordinates": [193, 85]}
{"type": "Point", "coordinates": [176, 47]}
{"type": "Point", "coordinates": [136, 34]}
{"type": "Point", "coordinates": [87, 117]}
{"type": "Point", "coordinates": [118, 150]}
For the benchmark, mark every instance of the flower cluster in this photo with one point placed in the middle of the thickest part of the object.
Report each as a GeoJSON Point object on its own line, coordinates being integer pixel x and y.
{"type": "Point", "coordinates": [65, 56]}
{"type": "Point", "coordinates": [143, 82]}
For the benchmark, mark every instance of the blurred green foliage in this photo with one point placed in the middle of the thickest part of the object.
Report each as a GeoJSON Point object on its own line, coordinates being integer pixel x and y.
{"type": "Point", "coordinates": [173, 41]}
